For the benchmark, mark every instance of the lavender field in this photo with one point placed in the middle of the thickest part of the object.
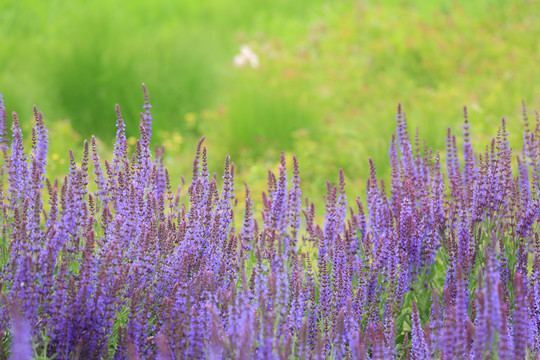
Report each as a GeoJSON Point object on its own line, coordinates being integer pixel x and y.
{"type": "Point", "coordinates": [118, 260]}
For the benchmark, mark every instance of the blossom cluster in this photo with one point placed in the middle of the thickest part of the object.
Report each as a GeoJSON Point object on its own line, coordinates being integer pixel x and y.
{"type": "Point", "coordinates": [110, 262]}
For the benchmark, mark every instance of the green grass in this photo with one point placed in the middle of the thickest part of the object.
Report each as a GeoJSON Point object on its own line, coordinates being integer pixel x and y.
{"type": "Point", "coordinates": [77, 59]}
{"type": "Point", "coordinates": [331, 75]}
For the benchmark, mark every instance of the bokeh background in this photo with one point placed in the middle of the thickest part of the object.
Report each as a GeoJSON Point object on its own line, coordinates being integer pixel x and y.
{"type": "Point", "coordinates": [326, 86]}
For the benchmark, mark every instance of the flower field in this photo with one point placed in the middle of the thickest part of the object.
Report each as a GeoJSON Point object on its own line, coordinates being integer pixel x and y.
{"type": "Point", "coordinates": [118, 260]}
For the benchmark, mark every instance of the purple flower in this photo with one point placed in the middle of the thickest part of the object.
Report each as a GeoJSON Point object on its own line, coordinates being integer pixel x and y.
{"type": "Point", "coordinates": [521, 318]}
{"type": "Point", "coordinates": [147, 116]}
{"type": "Point", "coordinates": [3, 125]}
{"type": "Point", "coordinates": [18, 167]}
{"type": "Point", "coordinates": [21, 342]}
{"type": "Point", "coordinates": [420, 349]}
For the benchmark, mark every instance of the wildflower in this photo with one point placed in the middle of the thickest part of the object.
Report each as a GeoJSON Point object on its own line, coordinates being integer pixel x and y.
{"type": "Point", "coordinates": [246, 57]}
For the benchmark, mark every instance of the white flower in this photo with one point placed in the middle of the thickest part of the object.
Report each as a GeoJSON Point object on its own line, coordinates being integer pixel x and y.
{"type": "Point", "coordinates": [246, 56]}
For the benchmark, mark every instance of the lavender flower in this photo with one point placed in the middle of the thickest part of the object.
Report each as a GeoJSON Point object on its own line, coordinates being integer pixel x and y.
{"type": "Point", "coordinates": [21, 347]}
{"type": "Point", "coordinates": [3, 125]}
{"type": "Point", "coordinates": [122, 269]}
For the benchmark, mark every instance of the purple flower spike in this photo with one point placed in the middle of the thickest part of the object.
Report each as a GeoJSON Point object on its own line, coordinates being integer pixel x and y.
{"type": "Point", "coordinates": [147, 116]}
{"type": "Point", "coordinates": [521, 318]}
{"type": "Point", "coordinates": [420, 349]}
{"type": "Point", "coordinates": [246, 235]}
{"type": "Point", "coordinates": [461, 311]}
{"type": "Point", "coordinates": [279, 203]}
{"type": "Point", "coordinates": [120, 145]}
{"type": "Point", "coordinates": [21, 347]}
{"type": "Point", "coordinates": [295, 204]}
{"type": "Point", "coordinates": [468, 153]}
{"type": "Point", "coordinates": [41, 143]}
{"type": "Point", "coordinates": [18, 167]}
{"type": "Point", "coordinates": [163, 348]}
{"type": "Point", "coordinates": [3, 125]}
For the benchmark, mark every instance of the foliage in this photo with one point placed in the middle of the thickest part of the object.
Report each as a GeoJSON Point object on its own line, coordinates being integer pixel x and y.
{"type": "Point", "coordinates": [329, 72]}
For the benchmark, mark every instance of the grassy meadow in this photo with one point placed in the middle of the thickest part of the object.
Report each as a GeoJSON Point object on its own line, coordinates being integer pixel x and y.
{"type": "Point", "coordinates": [330, 76]}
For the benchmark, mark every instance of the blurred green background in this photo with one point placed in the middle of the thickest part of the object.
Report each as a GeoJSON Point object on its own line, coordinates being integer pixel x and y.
{"type": "Point", "coordinates": [330, 76]}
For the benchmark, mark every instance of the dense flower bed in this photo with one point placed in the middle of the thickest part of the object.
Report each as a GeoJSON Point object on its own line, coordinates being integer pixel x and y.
{"type": "Point", "coordinates": [110, 263]}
